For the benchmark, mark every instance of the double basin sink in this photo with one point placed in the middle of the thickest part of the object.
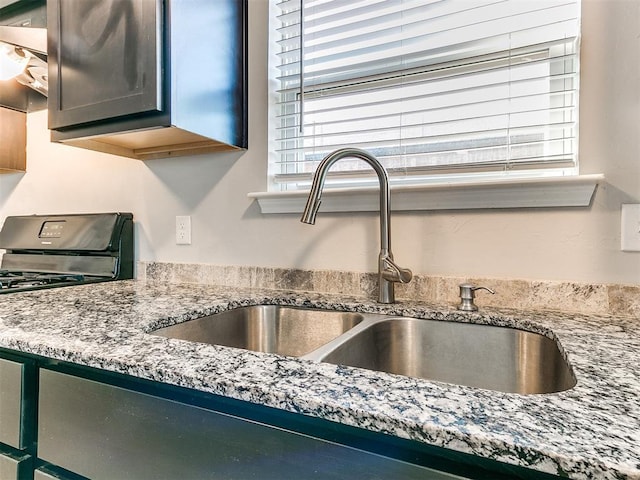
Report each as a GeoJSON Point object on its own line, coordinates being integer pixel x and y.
{"type": "Point", "coordinates": [483, 356]}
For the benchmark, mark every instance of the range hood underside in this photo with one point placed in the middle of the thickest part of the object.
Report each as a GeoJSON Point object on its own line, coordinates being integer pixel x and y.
{"type": "Point", "coordinates": [21, 92]}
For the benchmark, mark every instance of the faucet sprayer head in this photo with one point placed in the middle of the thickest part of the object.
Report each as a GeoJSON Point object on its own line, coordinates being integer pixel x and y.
{"type": "Point", "coordinates": [310, 211]}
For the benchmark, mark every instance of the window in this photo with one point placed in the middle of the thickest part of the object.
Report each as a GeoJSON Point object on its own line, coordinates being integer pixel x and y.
{"type": "Point", "coordinates": [435, 89]}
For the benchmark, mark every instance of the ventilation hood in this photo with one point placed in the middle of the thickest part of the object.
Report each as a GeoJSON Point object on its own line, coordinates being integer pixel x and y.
{"type": "Point", "coordinates": [31, 44]}
{"type": "Point", "coordinates": [29, 90]}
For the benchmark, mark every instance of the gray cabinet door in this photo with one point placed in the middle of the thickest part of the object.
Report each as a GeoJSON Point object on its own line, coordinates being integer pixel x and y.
{"type": "Point", "coordinates": [44, 473]}
{"type": "Point", "coordinates": [104, 59]}
{"type": "Point", "coordinates": [104, 432]}
{"type": "Point", "coordinates": [11, 384]}
{"type": "Point", "coordinates": [15, 467]}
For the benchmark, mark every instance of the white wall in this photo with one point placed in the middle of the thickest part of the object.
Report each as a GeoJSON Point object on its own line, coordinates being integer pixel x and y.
{"type": "Point", "coordinates": [544, 244]}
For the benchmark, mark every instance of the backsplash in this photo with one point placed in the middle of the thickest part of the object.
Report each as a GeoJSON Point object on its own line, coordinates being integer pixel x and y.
{"type": "Point", "coordinates": [519, 294]}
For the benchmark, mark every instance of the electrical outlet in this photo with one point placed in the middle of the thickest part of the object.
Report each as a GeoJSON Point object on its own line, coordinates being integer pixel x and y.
{"type": "Point", "coordinates": [183, 230]}
{"type": "Point", "coordinates": [630, 228]}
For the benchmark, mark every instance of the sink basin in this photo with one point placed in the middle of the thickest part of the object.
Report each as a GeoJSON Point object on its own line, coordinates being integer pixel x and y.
{"type": "Point", "coordinates": [266, 328]}
{"type": "Point", "coordinates": [484, 356]}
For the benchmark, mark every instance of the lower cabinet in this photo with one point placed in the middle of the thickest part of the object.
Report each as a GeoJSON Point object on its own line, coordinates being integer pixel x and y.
{"type": "Point", "coordinates": [47, 473]}
{"type": "Point", "coordinates": [41, 474]}
{"type": "Point", "coordinates": [102, 431]}
{"type": "Point", "coordinates": [11, 403]}
{"type": "Point", "coordinates": [15, 466]}
{"type": "Point", "coordinates": [16, 420]}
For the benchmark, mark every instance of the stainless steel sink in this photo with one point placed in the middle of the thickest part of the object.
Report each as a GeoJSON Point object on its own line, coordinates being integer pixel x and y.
{"type": "Point", "coordinates": [484, 356]}
{"type": "Point", "coordinates": [266, 328]}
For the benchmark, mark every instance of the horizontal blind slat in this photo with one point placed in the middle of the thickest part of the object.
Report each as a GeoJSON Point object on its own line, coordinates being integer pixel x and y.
{"type": "Point", "coordinates": [429, 85]}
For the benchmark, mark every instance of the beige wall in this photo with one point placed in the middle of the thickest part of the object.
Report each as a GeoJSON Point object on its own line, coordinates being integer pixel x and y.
{"type": "Point", "coordinates": [544, 244]}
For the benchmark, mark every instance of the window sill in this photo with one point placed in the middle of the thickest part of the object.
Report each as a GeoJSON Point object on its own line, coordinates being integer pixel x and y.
{"type": "Point", "coordinates": [551, 192]}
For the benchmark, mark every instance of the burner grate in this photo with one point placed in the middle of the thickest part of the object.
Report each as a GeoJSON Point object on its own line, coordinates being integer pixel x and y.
{"type": "Point", "coordinates": [10, 279]}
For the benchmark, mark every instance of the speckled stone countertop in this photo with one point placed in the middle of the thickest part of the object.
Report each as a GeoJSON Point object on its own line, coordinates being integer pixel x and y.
{"type": "Point", "coordinates": [591, 431]}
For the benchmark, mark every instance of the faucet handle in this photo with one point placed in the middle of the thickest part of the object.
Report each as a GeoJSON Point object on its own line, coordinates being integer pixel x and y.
{"type": "Point", "coordinates": [404, 275]}
{"type": "Point", "coordinates": [467, 294]}
{"type": "Point", "coordinates": [395, 273]}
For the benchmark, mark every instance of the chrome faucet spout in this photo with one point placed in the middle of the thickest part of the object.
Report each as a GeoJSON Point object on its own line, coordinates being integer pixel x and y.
{"type": "Point", "coordinates": [388, 271]}
{"type": "Point", "coordinates": [311, 210]}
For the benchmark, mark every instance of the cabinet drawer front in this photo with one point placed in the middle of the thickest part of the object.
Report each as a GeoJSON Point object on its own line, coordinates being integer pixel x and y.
{"type": "Point", "coordinates": [8, 467]}
{"type": "Point", "coordinates": [14, 467]}
{"type": "Point", "coordinates": [11, 384]}
{"type": "Point", "coordinates": [101, 431]}
{"type": "Point", "coordinates": [41, 475]}
{"type": "Point", "coordinates": [45, 473]}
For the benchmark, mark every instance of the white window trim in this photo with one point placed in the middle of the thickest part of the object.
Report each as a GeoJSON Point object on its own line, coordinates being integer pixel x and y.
{"type": "Point", "coordinates": [569, 191]}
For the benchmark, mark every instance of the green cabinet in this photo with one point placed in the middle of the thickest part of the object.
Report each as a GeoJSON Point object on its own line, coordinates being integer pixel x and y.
{"type": "Point", "coordinates": [148, 78]}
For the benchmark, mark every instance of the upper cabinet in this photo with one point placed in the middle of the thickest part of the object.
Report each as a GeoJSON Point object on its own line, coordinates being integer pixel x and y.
{"type": "Point", "coordinates": [105, 61]}
{"type": "Point", "coordinates": [148, 78]}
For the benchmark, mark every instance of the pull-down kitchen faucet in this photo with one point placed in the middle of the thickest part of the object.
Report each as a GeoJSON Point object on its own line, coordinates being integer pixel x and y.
{"type": "Point", "coordinates": [388, 271]}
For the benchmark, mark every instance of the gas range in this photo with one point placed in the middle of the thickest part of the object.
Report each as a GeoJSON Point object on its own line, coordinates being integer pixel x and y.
{"type": "Point", "coordinates": [49, 251]}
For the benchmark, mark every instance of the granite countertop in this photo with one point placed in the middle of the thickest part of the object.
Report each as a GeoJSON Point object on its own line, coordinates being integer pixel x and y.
{"type": "Point", "coordinates": [590, 431]}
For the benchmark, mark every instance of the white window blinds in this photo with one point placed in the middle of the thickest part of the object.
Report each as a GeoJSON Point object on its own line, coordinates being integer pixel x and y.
{"type": "Point", "coordinates": [432, 88]}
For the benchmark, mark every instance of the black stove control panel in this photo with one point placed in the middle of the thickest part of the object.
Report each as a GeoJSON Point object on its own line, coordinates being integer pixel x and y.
{"type": "Point", "coordinates": [52, 229]}
{"type": "Point", "coordinates": [64, 233]}
{"type": "Point", "coordinates": [55, 250]}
